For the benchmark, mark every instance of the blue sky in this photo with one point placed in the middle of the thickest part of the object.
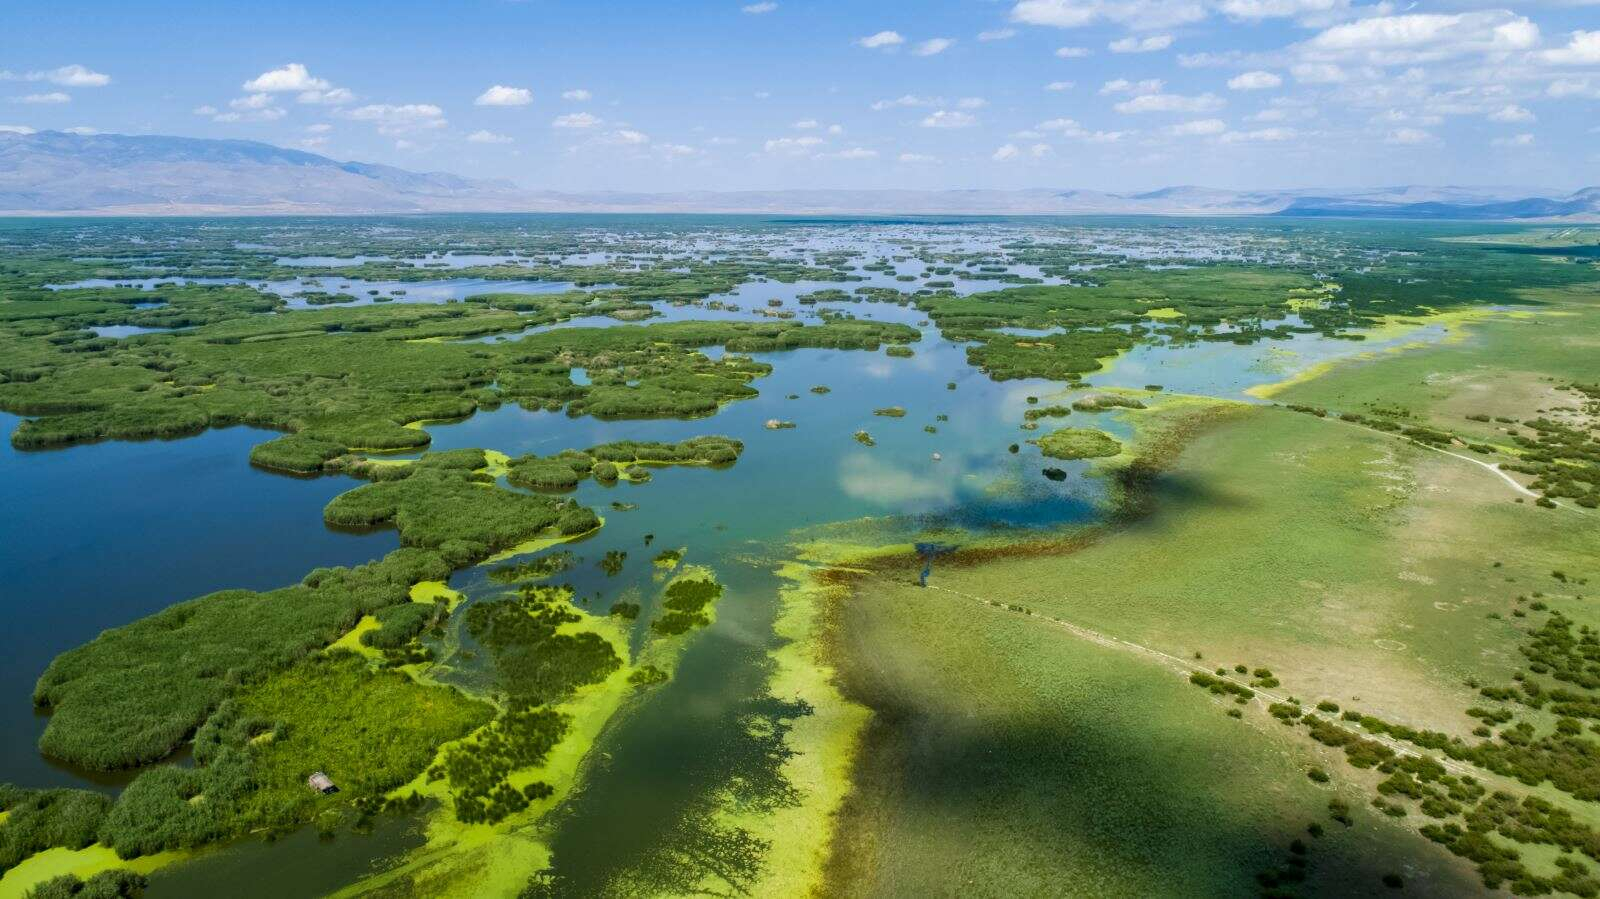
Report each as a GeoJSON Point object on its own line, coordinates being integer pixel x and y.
{"type": "Point", "coordinates": [1100, 94]}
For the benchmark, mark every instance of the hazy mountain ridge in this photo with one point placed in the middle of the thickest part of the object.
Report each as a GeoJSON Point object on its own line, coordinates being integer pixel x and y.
{"type": "Point", "coordinates": [57, 173]}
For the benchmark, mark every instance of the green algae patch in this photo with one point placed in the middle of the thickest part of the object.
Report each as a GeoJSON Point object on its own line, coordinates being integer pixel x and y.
{"type": "Point", "coordinates": [434, 591]}
{"type": "Point", "coordinates": [352, 640]}
{"type": "Point", "coordinates": [82, 863]}
{"type": "Point", "coordinates": [1078, 443]}
{"type": "Point", "coordinates": [820, 747]}
{"type": "Point", "coordinates": [1164, 312]}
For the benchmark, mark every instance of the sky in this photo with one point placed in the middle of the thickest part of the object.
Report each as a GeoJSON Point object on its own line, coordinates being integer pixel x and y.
{"type": "Point", "coordinates": [779, 94]}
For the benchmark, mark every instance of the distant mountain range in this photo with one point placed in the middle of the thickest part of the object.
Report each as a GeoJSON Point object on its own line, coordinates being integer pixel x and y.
{"type": "Point", "coordinates": [57, 173]}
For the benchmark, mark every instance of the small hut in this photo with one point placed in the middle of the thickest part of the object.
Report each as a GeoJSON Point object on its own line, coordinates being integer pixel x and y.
{"type": "Point", "coordinates": [322, 783]}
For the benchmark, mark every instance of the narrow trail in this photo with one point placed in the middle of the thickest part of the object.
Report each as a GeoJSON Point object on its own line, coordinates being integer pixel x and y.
{"type": "Point", "coordinates": [1488, 466]}
{"type": "Point", "coordinates": [1188, 666]}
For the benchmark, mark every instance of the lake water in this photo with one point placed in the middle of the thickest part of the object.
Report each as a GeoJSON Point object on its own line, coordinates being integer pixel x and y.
{"type": "Point", "coordinates": [96, 536]}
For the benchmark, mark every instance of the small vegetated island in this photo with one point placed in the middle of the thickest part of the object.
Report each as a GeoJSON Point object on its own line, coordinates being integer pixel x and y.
{"type": "Point", "coordinates": [631, 643]}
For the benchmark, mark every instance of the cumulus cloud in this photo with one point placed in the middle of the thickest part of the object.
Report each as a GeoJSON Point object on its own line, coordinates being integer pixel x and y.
{"type": "Point", "coordinates": [881, 39]}
{"type": "Point", "coordinates": [756, 9]}
{"type": "Point", "coordinates": [71, 76]}
{"type": "Point", "coordinates": [1198, 127]}
{"type": "Point", "coordinates": [1140, 45]}
{"type": "Point", "coordinates": [488, 137]}
{"type": "Point", "coordinates": [1255, 81]}
{"type": "Point", "coordinates": [1170, 103]}
{"type": "Point", "coordinates": [1135, 14]}
{"type": "Point", "coordinates": [292, 77]}
{"type": "Point", "coordinates": [1408, 136]}
{"type": "Point", "coordinates": [1511, 112]}
{"type": "Point", "coordinates": [1124, 86]}
{"type": "Point", "coordinates": [907, 100]}
{"type": "Point", "coordinates": [792, 146]}
{"type": "Point", "coordinates": [1059, 86]}
{"type": "Point", "coordinates": [402, 118]}
{"type": "Point", "coordinates": [1005, 153]}
{"type": "Point", "coordinates": [337, 96]}
{"type": "Point", "coordinates": [1422, 37]}
{"type": "Point", "coordinates": [948, 118]}
{"type": "Point", "coordinates": [1516, 140]}
{"type": "Point", "coordinates": [1260, 135]}
{"type": "Point", "coordinates": [1582, 49]}
{"type": "Point", "coordinates": [913, 158]}
{"type": "Point", "coordinates": [1072, 52]}
{"type": "Point", "coordinates": [852, 153]}
{"type": "Point", "coordinates": [1070, 128]}
{"type": "Point", "coordinates": [1318, 73]}
{"type": "Point", "coordinates": [1255, 10]}
{"type": "Point", "coordinates": [933, 46]}
{"type": "Point", "coordinates": [16, 129]}
{"type": "Point", "coordinates": [502, 95]}
{"type": "Point", "coordinates": [53, 97]}
{"type": "Point", "coordinates": [575, 120]}
{"type": "Point", "coordinates": [577, 95]}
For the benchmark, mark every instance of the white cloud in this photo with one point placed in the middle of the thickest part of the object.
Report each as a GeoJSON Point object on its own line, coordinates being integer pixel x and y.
{"type": "Point", "coordinates": [1136, 14]}
{"type": "Point", "coordinates": [257, 107]}
{"type": "Point", "coordinates": [1059, 125]}
{"type": "Point", "coordinates": [628, 137]}
{"type": "Point", "coordinates": [53, 97]}
{"type": "Point", "coordinates": [852, 153]}
{"type": "Point", "coordinates": [16, 129]}
{"type": "Point", "coordinates": [806, 125]}
{"type": "Point", "coordinates": [1574, 87]}
{"type": "Point", "coordinates": [1318, 73]}
{"type": "Point", "coordinates": [997, 34]}
{"type": "Point", "coordinates": [1408, 136]}
{"type": "Point", "coordinates": [501, 95]}
{"type": "Point", "coordinates": [1140, 45]}
{"type": "Point", "coordinates": [1583, 49]}
{"type": "Point", "coordinates": [1070, 128]}
{"type": "Point", "coordinates": [933, 46]}
{"type": "Point", "coordinates": [253, 101]}
{"type": "Point", "coordinates": [677, 151]}
{"type": "Point", "coordinates": [1511, 112]}
{"type": "Point", "coordinates": [488, 137]}
{"type": "Point", "coordinates": [946, 118]}
{"type": "Point", "coordinates": [1261, 135]}
{"type": "Point", "coordinates": [1255, 10]}
{"type": "Point", "coordinates": [912, 158]}
{"type": "Point", "coordinates": [1124, 86]}
{"type": "Point", "coordinates": [319, 128]}
{"type": "Point", "coordinates": [1005, 152]}
{"type": "Point", "coordinates": [1059, 86]}
{"type": "Point", "coordinates": [82, 130]}
{"type": "Point", "coordinates": [71, 76]}
{"type": "Point", "coordinates": [337, 96]}
{"type": "Point", "coordinates": [756, 9]}
{"type": "Point", "coordinates": [791, 146]}
{"type": "Point", "coordinates": [907, 100]}
{"type": "Point", "coordinates": [575, 120]}
{"type": "Point", "coordinates": [577, 95]}
{"type": "Point", "coordinates": [1198, 127]}
{"type": "Point", "coordinates": [1517, 140]}
{"type": "Point", "coordinates": [1255, 81]}
{"type": "Point", "coordinates": [1422, 37]}
{"type": "Point", "coordinates": [1170, 103]}
{"type": "Point", "coordinates": [1072, 52]}
{"type": "Point", "coordinates": [881, 39]}
{"type": "Point", "coordinates": [292, 77]}
{"type": "Point", "coordinates": [398, 119]}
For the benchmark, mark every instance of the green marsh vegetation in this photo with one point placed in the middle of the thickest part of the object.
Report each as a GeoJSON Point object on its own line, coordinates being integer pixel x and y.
{"type": "Point", "coordinates": [1078, 443]}
{"type": "Point", "coordinates": [114, 884]}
